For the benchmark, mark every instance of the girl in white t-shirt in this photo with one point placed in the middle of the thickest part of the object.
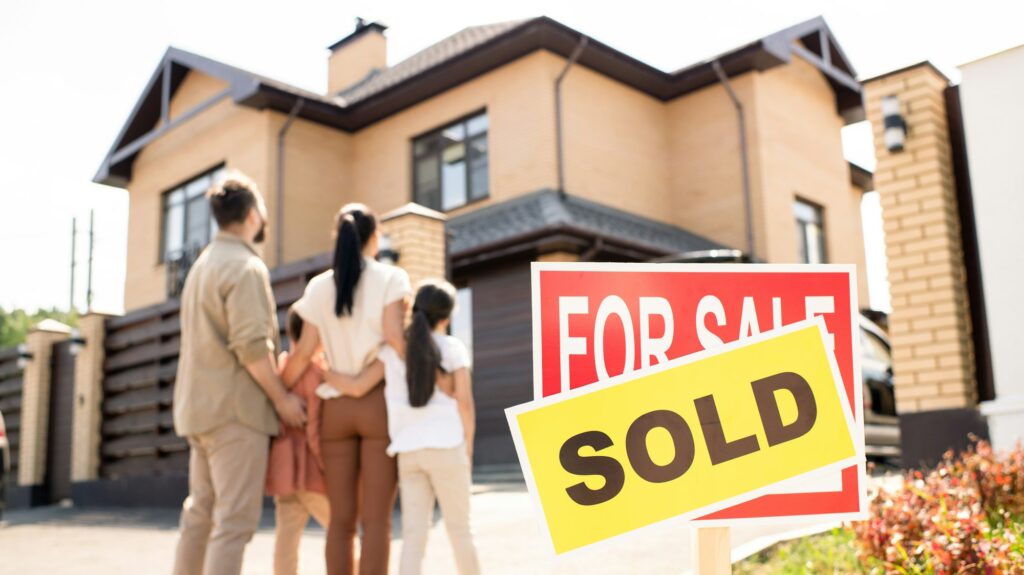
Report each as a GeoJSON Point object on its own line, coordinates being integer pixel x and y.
{"type": "Point", "coordinates": [431, 420]}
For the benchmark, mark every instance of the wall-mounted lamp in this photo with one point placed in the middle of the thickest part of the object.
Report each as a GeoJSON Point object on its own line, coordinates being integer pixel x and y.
{"type": "Point", "coordinates": [77, 342]}
{"type": "Point", "coordinates": [895, 125]}
{"type": "Point", "coordinates": [24, 356]}
{"type": "Point", "coordinates": [387, 254]}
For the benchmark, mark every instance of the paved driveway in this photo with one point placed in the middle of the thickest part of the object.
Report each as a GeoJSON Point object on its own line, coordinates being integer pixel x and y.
{"type": "Point", "coordinates": [115, 542]}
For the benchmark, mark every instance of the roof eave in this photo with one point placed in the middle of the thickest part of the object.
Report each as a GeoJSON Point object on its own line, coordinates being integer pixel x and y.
{"type": "Point", "coordinates": [541, 33]}
{"type": "Point", "coordinates": [262, 96]}
{"type": "Point", "coordinates": [861, 177]}
{"type": "Point", "coordinates": [847, 89]}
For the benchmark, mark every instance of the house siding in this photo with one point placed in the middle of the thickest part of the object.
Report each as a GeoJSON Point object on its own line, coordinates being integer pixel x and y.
{"type": "Point", "coordinates": [521, 137]}
{"type": "Point", "coordinates": [706, 171]}
{"type": "Point", "coordinates": [223, 133]}
{"type": "Point", "coordinates": [616, 144]}
{"type": "Point", "coordinates": [800, 154]}
{"type": "Point", "coordinates": [677, 162]}
{"type": "Point", "coordinates": [318, 181]}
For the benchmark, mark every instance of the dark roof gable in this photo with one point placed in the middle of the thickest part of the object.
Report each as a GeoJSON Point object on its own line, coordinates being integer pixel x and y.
{"type": "Point", "coordinates": [138, 130]}
{"type": "Point", "coordinates": [464, 56]}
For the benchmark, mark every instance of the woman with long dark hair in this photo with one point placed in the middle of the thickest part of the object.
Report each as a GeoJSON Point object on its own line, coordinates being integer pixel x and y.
{"type": "Point", "coordinates": [350, 311]}
{"type": "Point", "coordinates": [432, 425]}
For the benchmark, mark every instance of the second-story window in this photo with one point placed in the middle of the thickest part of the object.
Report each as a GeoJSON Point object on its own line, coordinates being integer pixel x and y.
{"type": "Point", "coordinates": [188, 224]}
{"type": "Point", "coordinates": [450, 165]}
{"type": "Point", "coordinates": [810, 232]}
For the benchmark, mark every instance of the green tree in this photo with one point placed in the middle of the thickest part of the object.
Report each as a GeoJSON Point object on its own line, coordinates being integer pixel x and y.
{"type": "Point", "coordinates": [15, 323]}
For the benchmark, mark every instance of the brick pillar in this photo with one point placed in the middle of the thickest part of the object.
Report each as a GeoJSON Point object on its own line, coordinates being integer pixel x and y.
{"type": "Point", "coordinates": [35, 400]}
{"type": "Point", "coordinates": [930, 325]}
{"type": "Point", "coordinates": [418, 235]}
{"type": "Point", "coordinates": [85, 438]}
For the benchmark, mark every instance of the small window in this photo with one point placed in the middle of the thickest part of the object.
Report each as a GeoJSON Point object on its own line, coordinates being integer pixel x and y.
{"type": "Point", "coordinates": [187, 222]}
{"type": "Point", "coordinates": [450, 165]}
{"type": "Point", "coordinates": [810, 232]}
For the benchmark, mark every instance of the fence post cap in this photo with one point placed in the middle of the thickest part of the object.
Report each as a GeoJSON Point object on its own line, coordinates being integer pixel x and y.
{"type": "Point", "coordinates": [51, 326]}
{"type": "Point", "coordinates": [413, 208]}
{"type": "Point", "coordinates": [97, 313]}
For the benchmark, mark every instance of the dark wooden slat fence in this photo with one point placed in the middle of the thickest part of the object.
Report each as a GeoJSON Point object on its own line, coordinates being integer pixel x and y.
{"type": "Point", "coordinates": [139, 370]}
{"type": "Point", "coordinates": [11, 384]}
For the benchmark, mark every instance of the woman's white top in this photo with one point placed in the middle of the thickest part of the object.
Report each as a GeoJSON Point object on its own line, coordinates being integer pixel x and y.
{"type": "Point", "coordinates": [437, 424]}
{"type": "Point", "coordinates": [352, 342]}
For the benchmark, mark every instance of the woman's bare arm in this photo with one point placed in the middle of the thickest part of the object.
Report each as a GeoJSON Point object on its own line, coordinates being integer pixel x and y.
{"type": "Point", "coordinates": [393, 323]}
{"type": "Point", "coordinates": [299, 358]}
{"type": "Point", "coordinates": [467, 408]}
{"type": "Point", "coordinates": [357, 385]}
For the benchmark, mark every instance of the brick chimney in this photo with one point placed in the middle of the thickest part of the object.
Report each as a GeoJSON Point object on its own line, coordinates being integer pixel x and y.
{"type": "Point", "coordinates": [355, 56]}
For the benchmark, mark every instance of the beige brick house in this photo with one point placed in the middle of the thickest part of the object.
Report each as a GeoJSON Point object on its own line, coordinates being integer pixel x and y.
{"type": "Point", "coordinates": [526, 140]}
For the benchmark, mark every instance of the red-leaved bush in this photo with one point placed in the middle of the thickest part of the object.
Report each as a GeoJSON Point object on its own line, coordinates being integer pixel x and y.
{"type": "Point", "coordinates": [965, 516]}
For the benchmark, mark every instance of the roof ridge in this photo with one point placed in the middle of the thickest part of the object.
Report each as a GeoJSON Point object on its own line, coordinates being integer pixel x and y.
{"type": "Point", "coordinates": [430, 57]}
{"type": "Point", "coordinates": [775, 33]}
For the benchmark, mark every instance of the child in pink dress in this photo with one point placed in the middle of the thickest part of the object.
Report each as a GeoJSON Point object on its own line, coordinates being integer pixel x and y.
{"type": "Point", "coordinates": [295, 476]}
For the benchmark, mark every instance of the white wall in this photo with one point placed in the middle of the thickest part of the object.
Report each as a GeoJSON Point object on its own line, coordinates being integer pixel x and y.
{"type": "Point", "coordinates": [992, 94]}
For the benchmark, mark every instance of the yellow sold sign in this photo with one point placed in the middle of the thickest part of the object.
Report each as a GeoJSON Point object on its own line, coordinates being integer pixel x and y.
{"type": "Point", "coordinates": [685, 438]}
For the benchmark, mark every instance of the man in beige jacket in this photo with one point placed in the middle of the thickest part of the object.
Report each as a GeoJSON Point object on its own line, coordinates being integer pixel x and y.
{"type": "Point", "coordinates": [227, 395]}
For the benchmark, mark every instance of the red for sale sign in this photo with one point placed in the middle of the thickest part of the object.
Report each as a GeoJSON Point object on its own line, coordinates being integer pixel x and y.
{"type": "Point", "coordinates": [595, 321]}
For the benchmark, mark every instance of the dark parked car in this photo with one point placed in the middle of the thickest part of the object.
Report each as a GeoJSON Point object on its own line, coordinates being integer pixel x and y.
{"type": "Point", "coordinates": [881, 425]}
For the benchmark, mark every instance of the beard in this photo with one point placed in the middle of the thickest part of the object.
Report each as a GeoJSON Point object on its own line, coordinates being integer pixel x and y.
{"type": "Point", "coordinates": [261, 235]}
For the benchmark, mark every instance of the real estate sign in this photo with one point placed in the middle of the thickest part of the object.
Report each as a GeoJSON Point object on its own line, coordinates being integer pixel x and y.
{"type": "Point", "coordinates": [593, 322]}
{"type": "Point", "coordinates": [685, 437]}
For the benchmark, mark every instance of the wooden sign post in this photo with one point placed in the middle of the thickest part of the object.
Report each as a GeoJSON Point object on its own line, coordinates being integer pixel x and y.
{"type": "Point", "coordinates": [711, 551]}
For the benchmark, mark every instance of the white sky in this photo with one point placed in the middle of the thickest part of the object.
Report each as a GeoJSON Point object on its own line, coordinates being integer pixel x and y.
{"type": "Point", "coordinates": [72, 71]}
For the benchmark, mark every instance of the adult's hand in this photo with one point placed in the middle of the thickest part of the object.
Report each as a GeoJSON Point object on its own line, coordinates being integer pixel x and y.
{"type": "Point", "coordinates": [291, 409]}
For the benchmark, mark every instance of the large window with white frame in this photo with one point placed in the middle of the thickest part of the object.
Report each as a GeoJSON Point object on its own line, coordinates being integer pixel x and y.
{"type": "Point", "coordinates": [810, 232]}
{"type": "Point", "coordinates": [186, 222]}
{"type": "Point", "coordinates": [450, 165]}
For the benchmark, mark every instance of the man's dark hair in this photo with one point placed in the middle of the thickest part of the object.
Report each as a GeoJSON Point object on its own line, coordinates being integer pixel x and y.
{"type": "Point", "coordinates": [293, 325]}
{"type": "Point", "coordinates": [231, 199]}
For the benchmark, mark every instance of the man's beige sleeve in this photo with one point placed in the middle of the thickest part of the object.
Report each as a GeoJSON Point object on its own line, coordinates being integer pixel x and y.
{"type": "Point", "coordinates": [249, 306]}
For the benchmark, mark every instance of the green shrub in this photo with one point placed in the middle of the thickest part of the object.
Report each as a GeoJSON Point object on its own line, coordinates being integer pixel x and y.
{"type": "Point", "coordinates": [830, 553]}
{"type": "Point", "coordinates": [964, 516]}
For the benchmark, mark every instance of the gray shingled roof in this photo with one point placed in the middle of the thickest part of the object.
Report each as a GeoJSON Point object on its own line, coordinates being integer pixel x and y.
{"type": "Point", "coordinates": [547, 210]}
{"type": "Point", "coordinates": [434, 55]}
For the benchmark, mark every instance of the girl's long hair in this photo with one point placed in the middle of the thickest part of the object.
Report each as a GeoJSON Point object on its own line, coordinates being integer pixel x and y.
{"type": "Point", "coordinates": [355, 226]}
{"type": "Point", "coordinates": [434, 303]}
